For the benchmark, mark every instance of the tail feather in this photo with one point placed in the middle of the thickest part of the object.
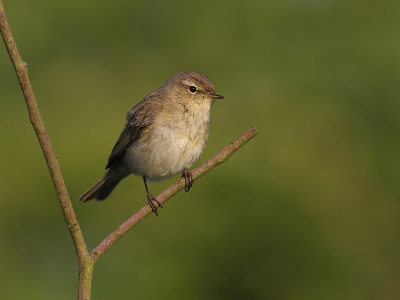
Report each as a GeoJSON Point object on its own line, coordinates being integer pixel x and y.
{"type": "Point", "coordinates": [106, 184]}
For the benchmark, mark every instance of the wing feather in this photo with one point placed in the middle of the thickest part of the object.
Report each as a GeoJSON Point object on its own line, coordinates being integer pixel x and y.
{"type": "Point", "coordinates": [134, 129]}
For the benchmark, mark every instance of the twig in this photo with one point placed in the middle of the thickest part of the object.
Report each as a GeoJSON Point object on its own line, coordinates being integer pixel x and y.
{"type": "Point", "coordinates": [87, 260]}
{"type": "Point", "coordinates": [221, 157]}
{"type": "Point", "coordinates": [21, 69]}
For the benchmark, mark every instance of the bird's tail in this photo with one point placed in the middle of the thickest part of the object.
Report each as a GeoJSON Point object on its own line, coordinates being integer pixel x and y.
{"type": "Point", "coordinates": [106, 184]}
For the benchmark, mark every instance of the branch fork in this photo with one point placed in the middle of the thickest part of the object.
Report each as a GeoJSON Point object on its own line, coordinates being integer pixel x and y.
{"type": "Point", "coordinates": [86, 259]}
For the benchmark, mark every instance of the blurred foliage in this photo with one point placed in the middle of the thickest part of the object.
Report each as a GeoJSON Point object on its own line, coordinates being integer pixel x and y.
{"type": "Point", "coordinates": [307, 210]}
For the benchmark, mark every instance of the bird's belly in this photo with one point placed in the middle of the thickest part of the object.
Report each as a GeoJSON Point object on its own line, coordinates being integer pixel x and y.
{"type": "Point", "coordinates": [165, 151]}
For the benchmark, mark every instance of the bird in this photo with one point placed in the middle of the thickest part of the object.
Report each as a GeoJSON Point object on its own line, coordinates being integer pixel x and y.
{"type": "Point", "coordinates": [164, 135]}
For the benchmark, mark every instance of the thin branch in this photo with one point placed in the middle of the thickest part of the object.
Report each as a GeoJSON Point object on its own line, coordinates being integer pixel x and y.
{"type": "Point", "coordinates": [21, 69]}
{"type": "Point", "coordinates": [218, 159]}
{"type": "Point", "coordinates": [87, 260]}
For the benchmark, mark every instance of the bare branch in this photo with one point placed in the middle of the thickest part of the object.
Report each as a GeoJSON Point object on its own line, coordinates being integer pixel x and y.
{"type": "Point", "coordinates": [221, 157]}
{"type": "Point", "coordinates": [21, 69]}
{"type": "Point", "coordinates": [87, 260]}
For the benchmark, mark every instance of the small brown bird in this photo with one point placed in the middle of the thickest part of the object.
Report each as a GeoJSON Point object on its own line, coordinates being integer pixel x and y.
{"type": "Point", "coordinates": [164, 135]}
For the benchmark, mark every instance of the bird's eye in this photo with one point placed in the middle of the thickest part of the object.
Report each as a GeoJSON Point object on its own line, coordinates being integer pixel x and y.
{"type": "Point", "coordinates": [192, 89]}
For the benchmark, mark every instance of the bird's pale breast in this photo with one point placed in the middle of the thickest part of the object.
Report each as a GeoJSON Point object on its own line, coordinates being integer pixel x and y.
{"type": "Point", "coordinates": [173, 144]}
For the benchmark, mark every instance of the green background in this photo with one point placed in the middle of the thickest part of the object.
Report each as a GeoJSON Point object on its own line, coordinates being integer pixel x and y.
{"type": "Point", "coordinates": [309, 209]}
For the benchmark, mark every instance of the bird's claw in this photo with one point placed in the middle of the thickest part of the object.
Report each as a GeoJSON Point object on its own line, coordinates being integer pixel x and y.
{"type": "Point", "coordinates": [151, 200]}
{"type": "Point", "coordinates": [188, 179]}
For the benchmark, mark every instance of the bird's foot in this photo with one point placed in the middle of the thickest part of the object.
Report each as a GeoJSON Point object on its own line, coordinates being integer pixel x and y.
{"type": "Point", "coordinates": [152, 203]}
{"type": "Point", "coordinates": [188, 179]}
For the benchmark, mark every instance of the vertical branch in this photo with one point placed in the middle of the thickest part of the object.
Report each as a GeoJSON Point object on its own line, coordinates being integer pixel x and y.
{"type": "Point", "coordinates": [87, 260]}
{"type": "Point", "coordinates": [21, 69]}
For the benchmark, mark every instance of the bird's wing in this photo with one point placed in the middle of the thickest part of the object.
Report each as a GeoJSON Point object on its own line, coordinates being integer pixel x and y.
{"type": "Point", "coordinates": [134, 129]}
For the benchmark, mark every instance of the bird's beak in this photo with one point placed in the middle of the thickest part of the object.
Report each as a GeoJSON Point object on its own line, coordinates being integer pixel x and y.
{"type": "Point", "coordinates": [216, 96]}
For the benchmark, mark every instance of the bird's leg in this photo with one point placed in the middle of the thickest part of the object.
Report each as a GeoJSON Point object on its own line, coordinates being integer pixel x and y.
{"type": "Point", "coordinates": [151, 199]}
{"type": "Point", "coordinates": [188, 179]}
